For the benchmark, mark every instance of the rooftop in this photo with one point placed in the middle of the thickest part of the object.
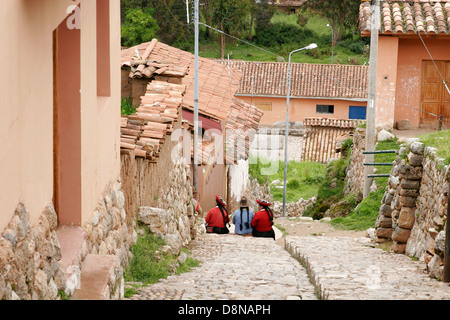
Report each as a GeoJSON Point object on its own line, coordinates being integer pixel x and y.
{"type": "Point", "coordinates": [408, 17]}
{"type": "Point", "coordinates": [307, 80]}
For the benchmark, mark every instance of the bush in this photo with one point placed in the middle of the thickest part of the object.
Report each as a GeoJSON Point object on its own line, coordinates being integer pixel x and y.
{"type": "Point", "coordinates": [278, 34]}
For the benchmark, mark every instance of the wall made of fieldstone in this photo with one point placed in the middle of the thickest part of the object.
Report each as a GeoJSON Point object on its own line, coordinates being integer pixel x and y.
{"type": "Point", "coordinates": [354, 180]}
{"type": "Point", "coordinates": [413, 210]}
{"type": "Point", "coordinates": [31, 266]}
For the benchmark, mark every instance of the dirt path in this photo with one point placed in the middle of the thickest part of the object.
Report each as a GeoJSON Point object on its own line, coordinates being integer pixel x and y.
{"type": "Point", "coordinates": [305, 227]}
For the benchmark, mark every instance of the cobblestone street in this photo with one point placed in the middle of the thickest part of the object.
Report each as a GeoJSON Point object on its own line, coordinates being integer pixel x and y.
{"type": "Point", "coordinates": [330, 268]}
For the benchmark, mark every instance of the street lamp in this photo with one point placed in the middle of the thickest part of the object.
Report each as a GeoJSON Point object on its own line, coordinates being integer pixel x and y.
{"type": "Point", "coordinates": [328, 25]}
{"type": "Point", "coordinates": [311, 46]}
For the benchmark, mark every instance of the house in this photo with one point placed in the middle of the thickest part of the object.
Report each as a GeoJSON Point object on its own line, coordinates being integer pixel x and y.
{"type": "Point", "coordinates": [413, 62]}
{"type": "Point", "coordinates": [223, 117]}
{"type": "Point", "coordinates": [60, 166]}
{"type": "Point", "coordinates": [317, 90]}
{"type": "Point", "coordinates": [289, 6]}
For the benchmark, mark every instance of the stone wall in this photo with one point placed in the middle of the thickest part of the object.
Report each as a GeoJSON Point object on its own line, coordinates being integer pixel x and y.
{"type": "Point", "coordinates": [174, 213]}
{"type": "Point", "coordinates": [413, 209]}
{"type": "Point", "coordinates": [31, 259]}
{"type": "Point", "coordinates": [426, 241]}
{"type": "Point", "coordinates": [293, 209]}
{"type": "Point", "coordinates": [354, 181]}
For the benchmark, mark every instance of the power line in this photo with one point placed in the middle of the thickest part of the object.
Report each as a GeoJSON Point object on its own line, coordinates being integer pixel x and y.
{"type": "Point", "coordinates": [236, 38]}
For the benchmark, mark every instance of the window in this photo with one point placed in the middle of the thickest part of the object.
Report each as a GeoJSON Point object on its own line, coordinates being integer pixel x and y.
{"type": "Point", "coordinates": [264, 106]}
{"type": "Point", "coordinates": [322, 108]}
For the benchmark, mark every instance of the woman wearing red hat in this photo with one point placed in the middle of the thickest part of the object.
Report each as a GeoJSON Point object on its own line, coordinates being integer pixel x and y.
{"type": "Point", "coordinates": [263, 220]}
{"type": "Point", "coordinates": [217, 218]}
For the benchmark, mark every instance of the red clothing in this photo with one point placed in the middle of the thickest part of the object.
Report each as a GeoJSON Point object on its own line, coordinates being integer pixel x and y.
{"type": "Point", "coordinates": [214, 218]}
{"type": "Point", "coordinates": [261, 221]}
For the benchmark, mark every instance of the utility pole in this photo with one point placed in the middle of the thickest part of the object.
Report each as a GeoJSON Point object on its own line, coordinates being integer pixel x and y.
{"type": "Point", "coordinates": [371, 101]}
{"type": "Point", "coordinates": [195, 97]}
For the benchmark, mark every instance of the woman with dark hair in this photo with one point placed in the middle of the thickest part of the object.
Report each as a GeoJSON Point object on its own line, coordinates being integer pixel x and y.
{"type": "Point", "coordinates": [262, 222]}
{"type": "Point", "coordinates": [242, 219]}
{"type": "Point", "coordinates": [217, 218]}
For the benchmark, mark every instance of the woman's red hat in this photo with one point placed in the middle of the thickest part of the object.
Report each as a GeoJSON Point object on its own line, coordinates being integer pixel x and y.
{"type": "Point", "coordinates": [263, 202]}
{"type": "Point", "coordinates": [220, 200]}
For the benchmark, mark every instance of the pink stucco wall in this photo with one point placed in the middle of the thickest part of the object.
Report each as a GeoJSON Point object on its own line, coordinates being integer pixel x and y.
{"type": "Point", "coordinates": [300, 108]}
{"type": "Point", "coordinates": [399, 77]}
{"type": "Point", "coordinates": [26, 101]}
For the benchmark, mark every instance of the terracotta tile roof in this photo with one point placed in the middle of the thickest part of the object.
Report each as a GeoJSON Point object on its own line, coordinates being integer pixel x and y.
{"type": "Point", "coordinates": [242, 122]}
{"type": "Point", "coordinates": [307, 80]}
{"type": "Point", "coordinates": [216, 86]}
{"type": "Point", "coordinates": [331, 122]}
{"type": "Point", "coordinates": [321, 135]}
{"type": "Point", "coordinates": [290, 3]}
{"type": "Point", "coordinates": [408, 17]}
{"type": "Point", "coordinates": [145, 131]}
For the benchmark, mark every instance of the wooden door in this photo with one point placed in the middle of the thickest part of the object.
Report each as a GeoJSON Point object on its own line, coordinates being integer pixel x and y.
{"type": "Point", "coordinates": [435, 98]}
{"type": "Point", "coordinates": [445, 108]}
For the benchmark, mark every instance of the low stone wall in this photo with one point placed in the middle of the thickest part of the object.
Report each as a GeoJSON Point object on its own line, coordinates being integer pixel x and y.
{"type": "Point", "coordinates": [31, 266]}
{"type": "Point", "coordinates": [413, 209]}
{"type": "Point", "coordinates": [30, 257]}
{"type": "Point", "coordinates": [426, 241]}
{"type": "Point", "coordinates": [174, 213]}
{"type": "Point", "coordinates": [354, 181]}
{"type": "Point", "coordinates": [293, 209]}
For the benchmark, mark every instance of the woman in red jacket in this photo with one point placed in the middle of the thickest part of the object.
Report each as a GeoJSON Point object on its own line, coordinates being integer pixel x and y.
{"type": "Point", "coordinates": [262, 222]}
{"type": "Point", "coordinates": [217, 218]}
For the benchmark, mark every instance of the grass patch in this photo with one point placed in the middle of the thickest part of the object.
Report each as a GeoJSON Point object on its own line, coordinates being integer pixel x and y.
{"type": "Point", "coordinates": [150, 263]}
{"type": "Point", "coordinates": [303, 178]}
{"type": "Point", "coordinates": [127, 107]}
{"type": "Point", "coordinates": [439, 140]}
{"type": "Point", "coordinates": [364, 215]}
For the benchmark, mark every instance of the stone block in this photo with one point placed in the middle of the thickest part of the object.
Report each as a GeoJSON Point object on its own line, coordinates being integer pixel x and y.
{"type": "Point", "coordinates": [406, 218]}
{"type": "Point", "coordinates": [439, 244]}
{"type": "Point", "coordinates": [386, 210]}
{"type": "Point", "coordinates": [398, 247]}
{"type": "Point", "coordinates": [383, 222]}
{"type": "Point", "coordinates": [410, 184]}
{"type": "Point", "coordinates": [415, 159]}
{"type": "Point", "coordinates": [154, 218]}
{"type": "Point", "coordinates": [384, 232]}
{"type": "Point", "coordinates": [401, 235]}
{"type": "Point", "coordinates": [407, 201]}
{"type": "Point", "coordinates": [409, 192]}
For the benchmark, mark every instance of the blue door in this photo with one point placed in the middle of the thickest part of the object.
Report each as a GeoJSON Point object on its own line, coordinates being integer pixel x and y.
{"type": "Point", "coordinates": [357, 112]}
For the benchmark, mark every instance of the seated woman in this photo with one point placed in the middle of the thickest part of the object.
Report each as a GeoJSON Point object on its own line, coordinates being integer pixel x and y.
{"type": "Point", "coordinates": [217, 218]}
{"type": "Point", "coordinates": [263, 220]}
{"type": "Point", "coordinates": [242, 219]}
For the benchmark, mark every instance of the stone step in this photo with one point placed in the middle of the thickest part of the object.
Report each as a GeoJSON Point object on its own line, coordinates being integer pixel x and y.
{"type": "Point", "coordinates": [73, 250]}
{"type": "Point", "coordinates": [96, 272]}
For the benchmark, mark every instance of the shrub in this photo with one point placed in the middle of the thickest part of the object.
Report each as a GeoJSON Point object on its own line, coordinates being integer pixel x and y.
{"type": "Point", "coordinates": [278, 34]}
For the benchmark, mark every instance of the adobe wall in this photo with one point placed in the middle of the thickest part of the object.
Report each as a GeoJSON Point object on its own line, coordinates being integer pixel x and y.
{"type": "Point", "coordinates": [159, 193]}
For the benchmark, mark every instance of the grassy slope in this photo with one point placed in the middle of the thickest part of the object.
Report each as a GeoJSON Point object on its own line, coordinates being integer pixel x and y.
{"type": "Point", "coordinates": [439, 140]}
{"type": "Point", "coordinates": [303, 178]}
{"type": "Point", "coordinates": [240, 51]}
{"type": "Point", "coordinates": [365, 214]}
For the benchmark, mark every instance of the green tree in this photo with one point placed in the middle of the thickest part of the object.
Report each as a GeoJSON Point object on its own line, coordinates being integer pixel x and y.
{"type": "Point", "coordinates": [138, 26]}
{"type": "Point", "coordinates": [228, 16]}
{"type": "Point", "coordinates": [342, 14]}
